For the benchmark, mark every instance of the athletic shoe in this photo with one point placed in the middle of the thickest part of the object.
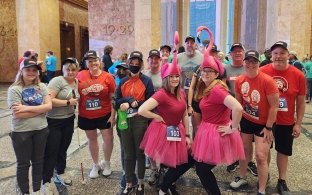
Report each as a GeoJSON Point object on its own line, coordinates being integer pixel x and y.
{"type": "Point", "coordinates": [252, 168]}
{"type": "Point", "coordinates": [63, 179]}
{"type": "Point", "coordinates": [173, 190]}
{"type": "Point", "coordinates": [259, 193]}
{"type": "Point", "coordinates": [231, 168]}
{"type": "Point", "coordinates": [238, 183]}
{"type": "Point", "coordinates": [49, 189]}
{"type": "Point", "coordinates": [105, 166]}
{"type": "Point", "coordinates": [94, 173]}
{"type": "Point", "coordinates": [128, 190]}
{"type": "Point", "coordinates": [282, 187]}
{"type": "Point", "coordinates": [153, 177]}
{"type": "Point", "coordinates": [140, 189]}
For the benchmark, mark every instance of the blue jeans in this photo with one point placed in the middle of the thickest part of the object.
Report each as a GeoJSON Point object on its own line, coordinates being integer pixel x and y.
{"type": "Point", "coordinates": [29, 147]}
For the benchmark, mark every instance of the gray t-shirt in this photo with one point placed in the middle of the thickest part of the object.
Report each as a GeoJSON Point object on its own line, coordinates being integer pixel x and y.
{"type": "Point", "coordinates": [64, 92]}
{"type": "Point", "coordinates": [187, 65]}
{"type": "Point", "coordinates": [156, 79]}
{"type": "Point", "coordinates": [231, 74]}
{"type": "Point", "coordinates": [31, 96]}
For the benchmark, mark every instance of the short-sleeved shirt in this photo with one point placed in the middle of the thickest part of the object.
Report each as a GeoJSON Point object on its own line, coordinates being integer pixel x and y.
{"type": "Point", "coordinates": [32, 95]}
{"type": "Point", "coordinates": [291, 83]}
{"type": "Point", "coordinates": [187, 65]}
{"type": "Point", "coordinates": [169, 107]}
{"type": "Point", "coordinates": [64, 92]}
{"type": "Point", "coordinates": [254, 94]}
{"type": "Point", "coordinates": [212, 106]}
{"type": "Point", "coordinates": [51, 63]}
{"type": "Point", "coordinates": [95, 94]}
{"type": "Point", "coordinates": [231, 74]}
{"type": "Point", "coordinates": [156, 79]}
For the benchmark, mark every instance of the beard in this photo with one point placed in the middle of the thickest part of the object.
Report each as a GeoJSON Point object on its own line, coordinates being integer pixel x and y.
{"type": "Point", "coordinates": [189, 51]}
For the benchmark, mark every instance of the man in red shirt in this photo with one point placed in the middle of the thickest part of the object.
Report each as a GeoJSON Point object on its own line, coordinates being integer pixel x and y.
{"type": "Point", "coordinates": [292, 88]}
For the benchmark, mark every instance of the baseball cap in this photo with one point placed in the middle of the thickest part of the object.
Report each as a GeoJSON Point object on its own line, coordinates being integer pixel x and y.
{"type": "Point", "coordinates": [214, 47]}
{"type": "Point", "coordinates": [154, 52]}
{"type": "Point", "coordinates": [294, 54]}
{"type": "Point", "coordinates": [91, 54]}
{"type": "Point", "coordinates": [28, 63]}
{"type": "Point", "coordinates": [70, 60]}
{"type": "Point", "coordinates": [136, 54]}
{"type": "Point", "coordinates": [122, 65]}
{"type": "Point", "coordinates": [165, 46]}
{"type": "Point", "coordinates": [252, 54]}
{"type": "Point", "coordinates": [279, 44]}
{"type": "Point", "coordinates": [189, 37]}
{"type": "Point", "coordinates": [237, 45]}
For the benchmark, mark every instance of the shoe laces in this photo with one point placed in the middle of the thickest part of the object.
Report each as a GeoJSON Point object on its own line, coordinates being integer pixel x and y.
{"type": "Point", "coordinates": [237, 178]}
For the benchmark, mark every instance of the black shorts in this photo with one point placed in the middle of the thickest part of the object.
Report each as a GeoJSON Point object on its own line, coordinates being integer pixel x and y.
{"type": "Point", "coordinates": [195, 106]}
{"type": "Point", "coordinates": [95, 123]}
{"type": "Point", "coordinates": [284, 139]}
{"type": "Point", "coordinates": [249, 127]}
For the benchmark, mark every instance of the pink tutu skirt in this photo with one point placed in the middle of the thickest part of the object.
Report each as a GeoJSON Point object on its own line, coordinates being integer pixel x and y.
{"type": "Point", "coordinates": [210, 147]}
{"type": "Point", "coordinates": [156, 146]}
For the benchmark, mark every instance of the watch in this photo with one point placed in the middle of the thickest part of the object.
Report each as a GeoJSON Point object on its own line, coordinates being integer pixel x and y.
{"type": "Point", "coordinates": [68, 103]}
{"type": "Point", "coordinates": [268, 128]}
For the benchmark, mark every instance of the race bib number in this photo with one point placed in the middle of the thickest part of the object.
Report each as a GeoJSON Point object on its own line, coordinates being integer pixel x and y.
{"type": "Point", "coordinates": [173, 133]}
{"type": "Point", "coordinates": [187, 83]}
{"type": "Point", "coordinates": [283, 106]}
{"type": "Point", "coordinates": [251, 111]}
{"type": "Point", "coordinates": [93, 104]}
{"type": "Point", "coordinates": [131, 112]}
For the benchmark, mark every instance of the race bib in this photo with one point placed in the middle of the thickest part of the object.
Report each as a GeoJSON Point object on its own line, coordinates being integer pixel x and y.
{"type": "Point", "coordinates": [131, 112]}
{"type": "Point", "coordinates": [173, 133]}
{"type": "Point", "coordinates": [93, 104]}
{"type": "Point", "coordinates": [283, 106]}
{"type": "Point", "coordinates": [251, 111]}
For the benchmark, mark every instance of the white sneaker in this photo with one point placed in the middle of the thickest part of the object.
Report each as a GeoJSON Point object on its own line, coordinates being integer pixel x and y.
{"type": "Point", "coordinates": [48, 189]}
{"type": "Point", "coordinates": [94, 173]}
{"type": "Point", "coordinates": [105, 165]}
{"type": "Point", "coordinates": [238, 183]}
{"type": "Point", "coordinates": [63, 179]}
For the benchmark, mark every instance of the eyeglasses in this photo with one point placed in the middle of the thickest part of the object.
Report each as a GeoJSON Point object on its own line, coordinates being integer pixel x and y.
{"type": "Point", "coordinates": [251, 62]}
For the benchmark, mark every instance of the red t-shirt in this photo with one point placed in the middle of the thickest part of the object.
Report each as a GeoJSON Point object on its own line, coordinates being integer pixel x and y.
{"type": "Point", "coordinates": [254, 94]}
{"type": "Point", "coordinates": [291, 83]}
{"type": "Point", "coordinates": [213, 108]}
{"type": "Point", "coordinates": [95, 94]}
{"type": "Point", "coordinates": [169, 107]}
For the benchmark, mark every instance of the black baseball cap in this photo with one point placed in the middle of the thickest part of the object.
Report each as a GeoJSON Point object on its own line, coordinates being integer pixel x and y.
{"type": "Point", "coordinates": [279, 44]}
{"type": "Point", "coordinates": [237, 45]}
{"type": "Point", "coordinates": [122, 65]}
{"type": "Point", "coordinates": [70, 60]}
{"type": "Point", "coordinates": [91, 54]}
{"type": "Point", "coordinates": [252, 54]}
{"type": "Point", "coordinates": [154, 52]}
{"type": "Point", "coordinates": [189, 37]}
{"type": "Point", "coordinates": [165, 46]}
{"type": "Point", "coordinates": [28, 63]}
{"type": "Point", "coordinates": [136, 54]}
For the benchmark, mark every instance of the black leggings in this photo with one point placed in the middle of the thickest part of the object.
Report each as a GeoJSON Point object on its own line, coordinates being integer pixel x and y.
{"type": "Point", "coordinates": [203, 171]}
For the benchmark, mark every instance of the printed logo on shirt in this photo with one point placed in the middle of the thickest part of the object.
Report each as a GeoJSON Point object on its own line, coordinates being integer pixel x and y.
{"type": "Point", "coordinates": [251, 101]}
{"type": "Point", "coordinates": [94, 90]}
{"type": "Point", "coordinates": [282, 84]}
{"type": "Point", "coordinates": [32, 96]}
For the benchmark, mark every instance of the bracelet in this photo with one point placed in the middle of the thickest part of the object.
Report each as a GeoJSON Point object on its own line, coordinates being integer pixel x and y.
{"type": "Point", "coordinates": [68, 103]}
{"type": "Point", "coordinates": [268, 128]}
{"type": "Point", "coordinates": [187, 135]}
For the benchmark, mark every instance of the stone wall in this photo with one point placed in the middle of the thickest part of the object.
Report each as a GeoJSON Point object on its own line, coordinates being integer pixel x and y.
{"type": "Point", "coordinates": [8, 41]}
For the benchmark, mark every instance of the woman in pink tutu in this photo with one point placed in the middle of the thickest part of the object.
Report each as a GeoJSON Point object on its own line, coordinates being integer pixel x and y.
{"type": "Point", "coordinates": [217, 140]}
{"type": "Point", "coordinates": [167, 137]}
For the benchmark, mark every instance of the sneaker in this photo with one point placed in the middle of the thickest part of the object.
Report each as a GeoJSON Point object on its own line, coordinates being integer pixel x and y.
{"type": "Point", "coordinates": [282, 187]}
{"type": "Point", "coordinates": [231, 168]}
{"type": "Point", "coordinates": [128, 190]}
{"type": "Point", "coordinates": [105, 166]}
{"type": "Point", "coordinates": [140, 189]}
{"type": "Point", "coordinates": [48, 189]}
{"type": "Point", "coordinates": [252, 168]}
{"type": "Point", "coordinates": [94, 173]}
{"type": "Point", "coordinates": [63, 179]}
{"type": "Point", "coordinates": [173, 190]}
{"type": "Point", "coordinates": [238, 183]}
{"type": "Point", "coordinates": [259, 193]}
{"type": "Point", "coordinates": [153, 177]}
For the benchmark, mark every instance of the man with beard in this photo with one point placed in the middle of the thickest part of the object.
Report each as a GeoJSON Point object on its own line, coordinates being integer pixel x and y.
{"type": "Point", "coordinates": [153, 71]}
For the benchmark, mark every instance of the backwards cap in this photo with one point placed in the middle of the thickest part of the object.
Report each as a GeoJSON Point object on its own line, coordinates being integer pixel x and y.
{"type": "Point", "coordinates": [173, 68]}
{"type": "Point", "coordinates": [208, 60]}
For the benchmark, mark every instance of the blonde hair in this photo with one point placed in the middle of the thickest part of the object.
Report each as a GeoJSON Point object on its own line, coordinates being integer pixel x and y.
{"type": "Point", "coordinates": [20, 81]}
{"type": "Point", "coordinates": [177, 90]}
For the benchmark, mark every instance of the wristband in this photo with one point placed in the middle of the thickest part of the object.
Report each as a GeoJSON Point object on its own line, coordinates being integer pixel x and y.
{"type": "Point", "coordinates": [68, 103]}
{"type": "Point", "coordinates": [268, 128]}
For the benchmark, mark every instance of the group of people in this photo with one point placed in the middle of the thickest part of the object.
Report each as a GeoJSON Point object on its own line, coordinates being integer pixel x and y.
{"type": "Point", "coordinates": [231, 106]}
